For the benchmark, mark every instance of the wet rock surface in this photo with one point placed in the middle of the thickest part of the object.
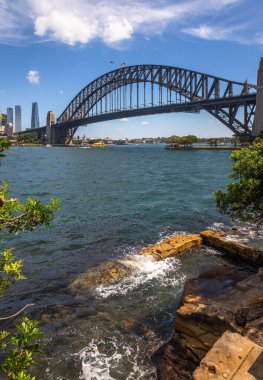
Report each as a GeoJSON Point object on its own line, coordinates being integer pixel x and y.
{"type": "Point", "coordinates": [219, 300]}
{"type": "Point", "coordinates": [105, 274]}
{"type": "Point", "coordinates": [171, 247]}
{"type": "Point", "coordinates": [242, 251]}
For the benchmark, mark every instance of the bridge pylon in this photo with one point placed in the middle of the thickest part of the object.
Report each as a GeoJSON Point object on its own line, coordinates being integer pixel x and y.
{"type": "Point", "coordinates": [258, 122]}
{"type": "Point", "coordinates": [59, 136]}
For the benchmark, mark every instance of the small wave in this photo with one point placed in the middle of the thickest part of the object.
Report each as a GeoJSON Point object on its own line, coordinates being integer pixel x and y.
{"type": "Point", "coordinates": [217, 227]}
{"type": "Point", "coordinates": [167, 234]}
{"type": "Point", "coordinates": [146, 270]}
{"type": "Point", "coordinates": [211, 251]}
{"type": "Point", "coordinates": [242, 231]}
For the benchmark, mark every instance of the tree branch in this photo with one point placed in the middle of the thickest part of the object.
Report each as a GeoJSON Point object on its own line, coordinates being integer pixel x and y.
{"type": "Point", "coordinates": [16, 314]}
{"type": "Point", "coordinates": [6, 220]}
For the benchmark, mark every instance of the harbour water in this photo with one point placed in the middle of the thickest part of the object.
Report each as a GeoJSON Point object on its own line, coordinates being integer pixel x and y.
{"type": "Point", "coordinates": [114, 202]}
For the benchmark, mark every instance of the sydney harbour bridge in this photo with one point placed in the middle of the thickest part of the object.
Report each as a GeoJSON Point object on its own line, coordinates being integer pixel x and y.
{"type": "Point", "coordinates": [155, 89]}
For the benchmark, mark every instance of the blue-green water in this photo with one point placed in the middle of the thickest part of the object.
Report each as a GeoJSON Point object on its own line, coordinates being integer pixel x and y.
{"type": "Point", "coordinates": [114, 202]}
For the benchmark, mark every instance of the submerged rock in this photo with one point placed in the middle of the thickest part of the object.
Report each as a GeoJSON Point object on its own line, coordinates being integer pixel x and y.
{"type": "Point", "coordinates": [218, 300]}
{"type": "Point", "coordinates": [236, 249]}
{"type": "Point", "coordinates": [172, 246]}
{"type": "Point", "coordinates": [105, 274]}
{"type": "Point", "coordinates": [232, 357]}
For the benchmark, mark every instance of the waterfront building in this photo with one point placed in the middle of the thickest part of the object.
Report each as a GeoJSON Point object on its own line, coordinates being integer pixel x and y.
{"type": "Point", "coordinates": [50, 118]}
{"type": "Point", "coordinates": [8, 129]}
{"type": "Point", "coordinates": [34, 116]}
{"type": "Point", "coordinates": [9, 115]}
{"type": "Point", "coordinates": [18, 123]}
{"type": "Point", "coordinates": [2, 123]}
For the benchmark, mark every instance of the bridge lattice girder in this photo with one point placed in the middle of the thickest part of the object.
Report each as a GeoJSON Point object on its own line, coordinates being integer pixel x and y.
{"type": "Point", "coordinates": [193, 86]}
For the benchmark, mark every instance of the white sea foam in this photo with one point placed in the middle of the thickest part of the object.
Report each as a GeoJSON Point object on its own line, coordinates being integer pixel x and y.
{"type": "Point", "coordinates": [112, 359]}
{"type": "Point", "coordinates": [217, 227]}
{"type": "Point", "coordinates": [244, 232]}
{"type": "Point", "coordinates": [146, 270]}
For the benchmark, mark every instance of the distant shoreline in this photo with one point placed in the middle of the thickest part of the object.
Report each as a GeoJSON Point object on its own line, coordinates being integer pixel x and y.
{"type": "Point", "coordinates": [204, 147]}
{"type": "Point", "coordinates": [197, 147]}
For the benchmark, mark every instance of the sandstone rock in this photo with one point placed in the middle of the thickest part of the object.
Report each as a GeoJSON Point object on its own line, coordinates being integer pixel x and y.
{"type": "Point", "coordinates": [172, 246]}
{"type": "Point", "coordinates": [45, 318]}
{"type": "Point", "coordinates": [231, 357]}
{"type": "Point", "coordinates": [175, 362]}
{"type": "Point", "coordinates": [218, 300]}
{"type": "Point", "coordinates": [236, 249]}
{"type": "Point", "coordinates": [254, 330]}
{"type": "Point", "coordinates": [104, 274]}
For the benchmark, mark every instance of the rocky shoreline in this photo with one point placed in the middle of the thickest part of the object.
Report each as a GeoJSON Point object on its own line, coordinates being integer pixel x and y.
{"type": "Point", "coordinates": [219, 302]}
{"type": "Point", "coordinates": [222, 305]}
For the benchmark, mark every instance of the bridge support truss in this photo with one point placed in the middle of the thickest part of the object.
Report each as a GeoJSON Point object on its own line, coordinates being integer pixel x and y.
{"type": "Point", "coordinates": [151, 89]}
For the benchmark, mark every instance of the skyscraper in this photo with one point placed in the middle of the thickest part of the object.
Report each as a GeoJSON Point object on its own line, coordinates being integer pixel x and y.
{"type": "Point", "coordinates": [9, 115]}
{"type": "Point", "coordinates": [18, 126]}
{"type": "Point", "coordinates": [34, 116]}
{"type": "Point", "coordinates": [50, 118]}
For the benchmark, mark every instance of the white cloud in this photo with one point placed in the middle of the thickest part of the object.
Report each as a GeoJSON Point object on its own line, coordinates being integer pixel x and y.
{"type": "Point", "coordinates": [220, 32]}
{"type": "Point", "coordinates": [117, 29]}
{"type": "Point", "coordinates": [61, 92]}
{"type": "Point", "coordinates": [33, 77]}
{"type": "Point", "coordinates": [145, 123]}
{"type": "Point", "coordinates": [259, 38]}
{"type": "Point", "coordinates": [124, 119]}
{"type": "Point", "coordinates": [112, 21]}
{"type": "Point", "coordinates": [209, 32]}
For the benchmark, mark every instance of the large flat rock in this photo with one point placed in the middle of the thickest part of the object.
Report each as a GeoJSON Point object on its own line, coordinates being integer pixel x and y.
{"type": "Point", "coordinates": [233, 357]}
{"type": "Point", "coordinates": [173, 246]}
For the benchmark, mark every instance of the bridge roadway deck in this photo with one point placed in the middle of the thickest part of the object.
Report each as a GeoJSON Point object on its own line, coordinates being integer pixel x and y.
{"type": "Point", "coordinates": [194, 106]}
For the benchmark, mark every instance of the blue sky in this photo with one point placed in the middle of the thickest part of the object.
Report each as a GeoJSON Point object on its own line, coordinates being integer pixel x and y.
{"type": "Point", "coordinates": [51, 49]}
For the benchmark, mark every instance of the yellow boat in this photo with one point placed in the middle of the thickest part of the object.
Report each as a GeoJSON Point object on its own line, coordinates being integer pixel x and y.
{"type": "Point", "coordinates": [99, 144]}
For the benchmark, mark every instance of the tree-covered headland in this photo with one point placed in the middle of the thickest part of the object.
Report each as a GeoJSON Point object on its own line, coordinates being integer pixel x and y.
{"type": "Point", "coordinates": [243, 198]}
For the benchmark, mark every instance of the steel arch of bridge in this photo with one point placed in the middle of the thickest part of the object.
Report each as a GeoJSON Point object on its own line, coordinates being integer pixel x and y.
{"type": "Point", "coordinates": [167, 89]}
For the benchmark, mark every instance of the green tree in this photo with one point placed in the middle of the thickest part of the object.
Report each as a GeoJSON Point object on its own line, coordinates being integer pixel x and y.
{"type": "Point", "coordinates": [28, 138]}
{"type": "Point", "coordinates": [19, 347]}
{"type": "Point", "coordinates": [192, 139]}
{"type": "Point", "coordinates": [187, 141]}
{"type": "Point", "coordinates": [213, 142]}
{"type": "Point", "coordinates": [173, 139]}
{"type": "Point", "coordinates": [243, 198]}
{"type": "Point", "coordinates": [235, 141]}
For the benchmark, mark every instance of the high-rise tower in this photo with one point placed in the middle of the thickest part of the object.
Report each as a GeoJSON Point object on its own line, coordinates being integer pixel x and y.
{"type": "Point", "coordinates": [34, 116]}
{"type": "Point", "coordinates": [9, 115]}
{"type": "Point", "coordinates": [18, 126]}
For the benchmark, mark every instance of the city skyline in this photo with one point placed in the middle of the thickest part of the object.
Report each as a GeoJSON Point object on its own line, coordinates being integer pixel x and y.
{"type": "Point", "coordinates": [59, 60]}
